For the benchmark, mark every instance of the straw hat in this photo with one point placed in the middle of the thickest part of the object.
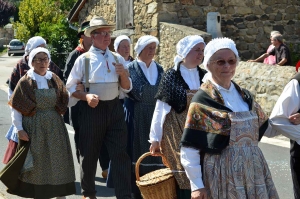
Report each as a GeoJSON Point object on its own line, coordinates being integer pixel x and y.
{"type": "Point", "coordinates": [95, 23]}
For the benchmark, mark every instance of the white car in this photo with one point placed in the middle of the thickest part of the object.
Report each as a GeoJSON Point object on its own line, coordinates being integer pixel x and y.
{"type": "Point", "coordinates": [15, 46]}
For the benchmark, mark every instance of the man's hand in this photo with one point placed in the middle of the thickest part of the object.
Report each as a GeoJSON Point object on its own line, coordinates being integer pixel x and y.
{"type": "Point", "coordinates": [80, 87]}
{"type": "Point", "coordinates": [295, 118]}
{"type": "Point", "coordinates": [92, 100]}
{"type": "Point", "coordinates": [154, 147]}
{"type": "Point", "coordinates": [120, 70]}
{"type": "Point", "coordinates": [199, 194]}
{"type": "Point", "coordinates": [23, 135]}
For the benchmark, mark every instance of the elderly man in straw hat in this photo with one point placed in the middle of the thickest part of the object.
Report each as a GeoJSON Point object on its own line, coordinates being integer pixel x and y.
{"type": "Point", "coordinates": [84, 45]}
{"type": "Point", "coordinates": [101, 115]}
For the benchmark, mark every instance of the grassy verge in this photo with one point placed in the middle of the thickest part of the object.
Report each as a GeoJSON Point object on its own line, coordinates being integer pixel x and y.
{"type": "Point", "coordinates": [3, 51]}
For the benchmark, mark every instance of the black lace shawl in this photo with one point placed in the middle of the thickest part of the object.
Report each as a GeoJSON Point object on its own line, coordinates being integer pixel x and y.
{"type": "Point", "coordinates": [172, 88]}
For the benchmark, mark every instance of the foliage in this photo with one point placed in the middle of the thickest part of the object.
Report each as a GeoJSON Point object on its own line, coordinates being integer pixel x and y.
{"type": "Point", "coordinates": [3, 50]}
{"type": "Point", "coordinates": [47, 18]}
{"type": "Point", "coordinates": [62, 40]}
{"type": "Point", "coordinates": [295, 53]}
{"type": "Point", "coordinates": [32, 14]}
{"type": "Point", "coordinates": [6, 11]}
{"type": "Point", "coordinates": [66, 5]}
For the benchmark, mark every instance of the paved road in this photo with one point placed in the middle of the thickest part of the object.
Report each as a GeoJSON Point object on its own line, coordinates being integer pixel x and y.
{"type": "Point", "coordinates": [276, 151]}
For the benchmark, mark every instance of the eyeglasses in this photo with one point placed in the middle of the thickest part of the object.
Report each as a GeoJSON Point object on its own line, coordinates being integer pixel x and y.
{"type": "Point", "coordinates": [222, 62]}
{"type": "Point", "coordinates": [103, 33]}
{"type": "Point", "coordinates": [38, 61]}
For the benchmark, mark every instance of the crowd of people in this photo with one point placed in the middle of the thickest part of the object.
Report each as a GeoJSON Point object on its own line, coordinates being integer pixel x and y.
{"type": "Point", "coordinates": [205, 124]}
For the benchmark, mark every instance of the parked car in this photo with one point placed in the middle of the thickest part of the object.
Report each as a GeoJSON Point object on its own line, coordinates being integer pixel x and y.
{"type": "Point", "coordinates": [15, 46]}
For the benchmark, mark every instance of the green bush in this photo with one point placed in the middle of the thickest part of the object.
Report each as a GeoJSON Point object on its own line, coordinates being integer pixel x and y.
{"type": "Point", "coordinates": [61, 38]}
{"type": "Point", "coordinates": [47, 18]}
{"type": "Point", "coordinates": [295, 53]}
{"type": "Point", "coordinates": [3, 50]}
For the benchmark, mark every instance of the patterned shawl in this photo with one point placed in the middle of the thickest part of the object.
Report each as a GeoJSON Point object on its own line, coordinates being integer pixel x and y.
{"type": "Point", "coordinates": [21, 69]}
{"type": "Point", "coordinates": [208, 126]}
{"type": "Point", "coordinates": [23, 97]}
{"type": "Point", "coordinates": [172, 88]}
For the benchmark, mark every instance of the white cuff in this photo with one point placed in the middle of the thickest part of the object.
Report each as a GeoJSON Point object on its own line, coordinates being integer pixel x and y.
{"type": "Point", "coordinates": [125, 90]}
{"type": "Point", "coordinates": [190, 160]}
{"type": "Point", "coordinates": [196, 183]}
{"type": "Point", "coordinates": [72, 100]}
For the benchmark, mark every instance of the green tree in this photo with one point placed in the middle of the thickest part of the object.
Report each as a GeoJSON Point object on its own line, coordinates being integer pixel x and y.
{"type": "Point", "coordinates": [47, 18]}
{"type": "Point", "coordinates": [62, 39]}
{"type": "Point", "coordinates": [7, 10]}
{"type": "Point", "coordinates": [32, 13]}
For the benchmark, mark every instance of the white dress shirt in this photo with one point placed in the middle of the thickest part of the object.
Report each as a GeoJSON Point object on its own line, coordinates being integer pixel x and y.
{"type": "Point", "coordinates": [41, 84]}
{"type": "Point", "coordinates": [150, 72]}
{"type": "Point", "coordinates": [191, 77]}
{"type": "Point", "coordinates": [287, 104]}
{"type": "Point", "coordinates": [190, 157]}
{"type": "Point", "coordinates": [98, 71]}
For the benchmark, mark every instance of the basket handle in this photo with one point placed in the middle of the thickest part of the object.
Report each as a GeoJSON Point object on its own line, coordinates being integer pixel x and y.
{"type": "Point", "coordinates": [137, 165]}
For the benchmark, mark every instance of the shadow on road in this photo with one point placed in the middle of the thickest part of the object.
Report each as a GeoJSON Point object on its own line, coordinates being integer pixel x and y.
{"type": "Point", "coordinates": [101, 190]}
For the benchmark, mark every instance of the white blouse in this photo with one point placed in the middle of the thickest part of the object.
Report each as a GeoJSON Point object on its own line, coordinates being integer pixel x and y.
{"type": "Point", "coordinates": [191, 77]}
{"type": "Point", "coordinates": [287, 104]}
{"type": "Point", "coordinates": [150, 72]}
{"type": "Point", "coordinates": [127, 62]}
{"type": "Point", "coordinates": [190, 157]}
{"type": "Point", "coordinates": [41, 84]}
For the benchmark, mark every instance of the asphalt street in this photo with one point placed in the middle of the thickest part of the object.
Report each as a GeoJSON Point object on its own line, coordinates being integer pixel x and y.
{"type": "Point", "coordinates": [276, 151]}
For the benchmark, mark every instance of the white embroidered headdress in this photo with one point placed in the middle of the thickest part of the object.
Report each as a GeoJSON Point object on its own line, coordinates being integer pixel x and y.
{"type": "Point", "coordinates": [32, 43]}
{"type": "Point", "coordinates": [185, 45]}
{"type": "Point", "coordinates": [119, 39]}
{"type": "Point", "coordinates": [143, 41]}
{"type": "Point", "coordinates": [36, 51]}
{"type": "Point", "coordinates": [217, 44]}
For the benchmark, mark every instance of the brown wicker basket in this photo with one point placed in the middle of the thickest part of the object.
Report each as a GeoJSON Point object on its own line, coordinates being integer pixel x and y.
{"type": "Point", "coordinates": [159, 184]}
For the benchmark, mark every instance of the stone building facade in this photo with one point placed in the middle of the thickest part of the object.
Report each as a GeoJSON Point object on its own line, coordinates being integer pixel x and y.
{"type": "Point", "coordinates": [6, 34]}
{"type": "Point", "coordinates": [247, 22]}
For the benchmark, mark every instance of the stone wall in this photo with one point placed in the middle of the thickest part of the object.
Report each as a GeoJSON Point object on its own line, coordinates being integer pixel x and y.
{"type": "Point", "coordinates": [266, 82]}
{"type": "Point", "coordinates": [170, 34]}
{"type": "Point", "coordinates": [146, 18]}
{"type": "Point", "coordinates": [247, 22]}
{"type": "Point", "coordinates": [6, 34]}
{"type": "Point", "coordinates": [104, 8]}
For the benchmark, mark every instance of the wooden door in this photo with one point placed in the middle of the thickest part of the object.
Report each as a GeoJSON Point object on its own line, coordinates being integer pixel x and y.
{"type": "Point", "coordinates": [124, 15]}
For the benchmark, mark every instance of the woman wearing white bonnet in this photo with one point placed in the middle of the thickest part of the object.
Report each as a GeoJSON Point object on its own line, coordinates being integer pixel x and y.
{"type": "Point", "coordinates": [19, 71]}
{"type": "Point", "coordinates": [145, 74]}
{"type": "Point", "coordinates": [174, 94]}
{"type": "Point", "coordinates": [38, 103]}
{"type": "Point", "coordinates": [225, 123]}
{"type": "Point", "coordinates": [122, 47]}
